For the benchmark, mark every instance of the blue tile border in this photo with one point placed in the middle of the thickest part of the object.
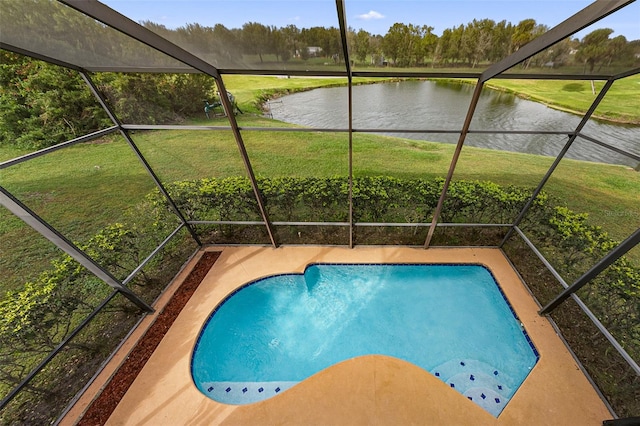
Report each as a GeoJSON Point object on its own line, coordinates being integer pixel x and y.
{"type": "Point", "coordinates": [522, 328]}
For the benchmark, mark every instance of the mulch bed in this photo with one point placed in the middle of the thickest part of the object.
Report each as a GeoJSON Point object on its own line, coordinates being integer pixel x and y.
{"type": "Point", "coordinates": [101, 408]}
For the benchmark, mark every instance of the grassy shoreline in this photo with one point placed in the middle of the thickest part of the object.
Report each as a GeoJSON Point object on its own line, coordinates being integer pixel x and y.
{"type": "Point", "coordinates": [620, 106]}
{"type": "Point", "coordinates": [82, 188]}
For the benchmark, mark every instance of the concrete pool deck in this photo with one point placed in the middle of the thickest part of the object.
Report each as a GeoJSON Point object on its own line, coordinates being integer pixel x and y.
{"type": "Point", "coordinates": [370, 390]}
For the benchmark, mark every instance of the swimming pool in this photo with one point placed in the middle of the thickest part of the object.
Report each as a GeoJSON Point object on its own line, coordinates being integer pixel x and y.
{"type": "Point", "coordinates": [451, 320]}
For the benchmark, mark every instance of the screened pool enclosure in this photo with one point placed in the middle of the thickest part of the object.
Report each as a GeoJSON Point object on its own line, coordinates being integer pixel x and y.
{"type": "Point", "coordinates": [120, 209]}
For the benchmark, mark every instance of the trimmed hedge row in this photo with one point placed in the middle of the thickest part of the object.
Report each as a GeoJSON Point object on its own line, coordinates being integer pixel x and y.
{"type": "Point", "coordinates": [375, 199]}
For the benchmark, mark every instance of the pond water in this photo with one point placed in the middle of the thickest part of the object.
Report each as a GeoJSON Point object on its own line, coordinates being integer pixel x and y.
{"type": "Point", "coordinates": [429, 105]}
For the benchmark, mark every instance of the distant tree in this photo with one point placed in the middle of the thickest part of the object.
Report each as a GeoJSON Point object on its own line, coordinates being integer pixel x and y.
{"type": "Point", "coordinates": [439, 54]}
{"type": "Point", "coordinates": [304, 52]}
{"type": "Point", "coordinates": [558, 54]}
{"type": "Point", "coordinates": [159, 29]}
{"type": "Point", "coordinates": [332, 45]}
{"type": "Point", "coordinates": [467, 43]}
{"type": "Point", "coordinates": [394, 44]}
{"type": "Point", "coordinates": [375, 45]}
{"type": "Point", "coordinates": [279, 45]}
{"type": "Point", "coordinates": [406, 44]}
{"type": "Point", "coordinates": [227, 45]}
{"type": "Point", "coordinates": [477, 40]}
{"type": "Point", "coordinates": [634, 49]}
{"type": "Point", "coordinates": [594, 48]}
{"type": "Point", "coordinates": [335, 43]}
{"type": "Point", "coordinates": [361, 45]}
{"type": "Point", "coordinates": [454, 51]}
{"type": "Point", "coordinates": [256, 39]}
{"type": "Point", "coordinates": [291, 35]}
{"type": "Point", "coordinates": [523, 33]}
{"type": "Point", "coordinates": [618, 49]}
{"type": "Point", "coordinates": [217, 44]}
{"type": "Point", "coordinates": [427, 44]}
{"type": "Point", "coordinates": [501, 41]}
{"type": "Point", "coordinates": [526, 31]}
{"type": "Point", "coordinates": [197, 37]}
{"type": "Point", "coordinates": [328, 39]}
{"type": "Point", "coordinates": [313, 36]}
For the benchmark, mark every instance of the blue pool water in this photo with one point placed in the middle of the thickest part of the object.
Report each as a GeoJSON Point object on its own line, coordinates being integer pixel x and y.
{"type": "Point", "coordinates": [451, 320]}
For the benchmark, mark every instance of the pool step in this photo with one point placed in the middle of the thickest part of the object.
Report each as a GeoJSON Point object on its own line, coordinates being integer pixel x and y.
{"type": "Point", "coordinates": [238, 393]}
{"type": "Point", "coordinates": [478, 381]}
{"type": "Point", "coordinates": [491, 401]}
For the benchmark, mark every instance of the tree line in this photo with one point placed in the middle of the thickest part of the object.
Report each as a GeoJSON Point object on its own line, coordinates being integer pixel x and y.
{"type": "Point", "coordinates": [45, 104]}
{"type": "Point", "coordinates": [255, 45]}
{"type": "Point", "coordinates": [404, 45]}
{"type": "Point", "coordinates": [485, 41]}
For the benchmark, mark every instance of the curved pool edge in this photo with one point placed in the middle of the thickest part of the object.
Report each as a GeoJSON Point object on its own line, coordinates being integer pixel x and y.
{"type": "Point", "coordinates": [165, 393]}
{"type": "Point", "coordinates": [482, 387]}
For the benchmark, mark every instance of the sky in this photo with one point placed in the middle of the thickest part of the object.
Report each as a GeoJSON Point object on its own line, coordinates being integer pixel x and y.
{"type": "Point", "coordinates": [374, 16]}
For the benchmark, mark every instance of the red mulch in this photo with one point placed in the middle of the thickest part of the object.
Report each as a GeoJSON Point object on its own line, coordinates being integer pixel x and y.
{"type": "Point", "coordinates": [102, 407]}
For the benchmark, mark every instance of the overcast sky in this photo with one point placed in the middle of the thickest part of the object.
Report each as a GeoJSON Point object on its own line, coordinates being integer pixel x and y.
{"type": "Point", "coordinates": [374, 16]}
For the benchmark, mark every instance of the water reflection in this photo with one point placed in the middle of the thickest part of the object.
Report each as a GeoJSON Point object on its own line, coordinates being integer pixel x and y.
{"type": "Point", "coordinates": [442, 106]}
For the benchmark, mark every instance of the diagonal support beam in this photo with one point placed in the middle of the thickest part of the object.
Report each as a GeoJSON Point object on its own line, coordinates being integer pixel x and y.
{"type": "Point", "coordinates": [556, 162]}
{"type": "Point", "coordinates": [48, 150]}
{"type": "Point", "coordinates": [454, 161]}
{"type": "Point", "coordinates": [587, 16]}
{"type": "Point", "coordinates": [132, 29]}
{"type": "Point", "coordinates": [611, 257]}
{"type": "Point", "coordinates": [138, 153]}
{"type": "Point", "coordinates": [38, 56]}
{"type": "Point", "coordinates": [228, 107]}
{"type": "Point", "coordinates": [626, 74]}
{"type": "Point", "coordinates": [51, 234]}
{"type": "Point", "coordinates": [110, 17]}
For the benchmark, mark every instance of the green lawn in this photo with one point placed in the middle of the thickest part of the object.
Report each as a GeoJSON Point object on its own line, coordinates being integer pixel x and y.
{"type": "Point", "coordinates": [82, 188]}
{"type": "Point", "coordinates": [621, 103]}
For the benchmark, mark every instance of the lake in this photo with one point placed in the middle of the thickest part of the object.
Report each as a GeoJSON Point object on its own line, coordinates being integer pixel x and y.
{"type": "Point", "coordinates": [429, 105]}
